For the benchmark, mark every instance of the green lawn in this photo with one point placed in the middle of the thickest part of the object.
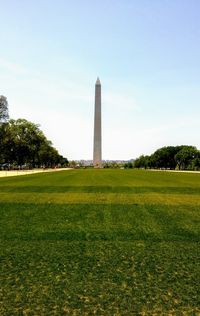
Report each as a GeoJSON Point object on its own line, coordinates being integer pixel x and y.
{"type": "Point", "coordinates": [100, 242]}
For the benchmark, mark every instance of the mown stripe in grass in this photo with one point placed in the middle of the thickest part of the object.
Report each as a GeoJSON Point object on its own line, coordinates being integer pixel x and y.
{"type": "Point", "coordinates": [99, 198]}
{"type": "Point", "coordinates": [99, 222]}
{"type": "Point", "coordinates": [107, 178]}
{"type": "Point", "coordinates": [100, 189]}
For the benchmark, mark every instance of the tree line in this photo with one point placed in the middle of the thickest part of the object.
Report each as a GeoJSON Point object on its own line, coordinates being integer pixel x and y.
{"type": "Point", "coordinates": [24, 145]}
{"type": "Point", "coordinates": [171, 157]}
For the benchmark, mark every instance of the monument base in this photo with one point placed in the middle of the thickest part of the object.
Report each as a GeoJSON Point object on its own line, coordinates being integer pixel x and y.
{"type": "Point", "coordinates": [98, 166]}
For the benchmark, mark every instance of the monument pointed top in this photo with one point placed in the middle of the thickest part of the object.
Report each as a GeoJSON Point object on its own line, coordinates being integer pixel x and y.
{"type": "Point", "coordinates": [98, 81]}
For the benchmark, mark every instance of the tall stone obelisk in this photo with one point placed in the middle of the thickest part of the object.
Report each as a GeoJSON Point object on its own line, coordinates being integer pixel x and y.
{"type": "Point", "coordinates": [97, 159]}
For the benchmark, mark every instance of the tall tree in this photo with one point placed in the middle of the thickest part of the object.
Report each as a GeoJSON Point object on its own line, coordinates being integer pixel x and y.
{"type": "Point", "coordinates": [186, 156]}
{"type": "Point", "coordinates": [3, 109]}
{"type": "Point", "coordinates": [22, 142]}
{"type": "Point", "coordinates": [142, 162]}
{"type": "Point", "coordinates": [165, 157]}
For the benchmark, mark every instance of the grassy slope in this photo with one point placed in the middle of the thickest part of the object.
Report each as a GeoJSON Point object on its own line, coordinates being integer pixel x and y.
{"type": "Point", "coordinates": [105, 241]}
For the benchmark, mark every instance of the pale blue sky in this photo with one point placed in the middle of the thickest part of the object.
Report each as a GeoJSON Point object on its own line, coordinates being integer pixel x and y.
{"type": "Point", "coordinates": [146, 53]}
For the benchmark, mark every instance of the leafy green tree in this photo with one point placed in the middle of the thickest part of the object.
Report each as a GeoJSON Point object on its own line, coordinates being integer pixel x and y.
{"type": "Point", "coordinates": [165, 157]}
{"type": "Point", "coordinates": [185, 157]}
{"type": "Point", "coordinates": [3, 109]}
{"type": "Point", "coordinates": [63, 162]}
{"type": "Point", "coordinates": [195, 165]}
{"type": "Point", "coordinates": [128, 165]}
{"type": "Point", "coordinates": [142, 162]}
{"type": "Point", "coordinates": [22, 142]}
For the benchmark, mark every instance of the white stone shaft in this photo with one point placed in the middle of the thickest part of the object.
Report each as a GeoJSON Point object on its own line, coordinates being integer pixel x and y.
{"type": "Point", "coordinates": [97, 155]}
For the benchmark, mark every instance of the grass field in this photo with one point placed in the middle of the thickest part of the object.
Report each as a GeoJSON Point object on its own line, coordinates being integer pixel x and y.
{"type": "Point", "coordinates": [100, 242]}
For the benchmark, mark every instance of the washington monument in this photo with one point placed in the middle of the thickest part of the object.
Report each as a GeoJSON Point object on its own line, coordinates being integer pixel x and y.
{"type": "Point", "coordinates": [97, 159]}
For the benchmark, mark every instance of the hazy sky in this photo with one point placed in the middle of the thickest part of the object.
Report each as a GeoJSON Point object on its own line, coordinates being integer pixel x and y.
{"type": "Point", "coordinates": [146, 53]}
